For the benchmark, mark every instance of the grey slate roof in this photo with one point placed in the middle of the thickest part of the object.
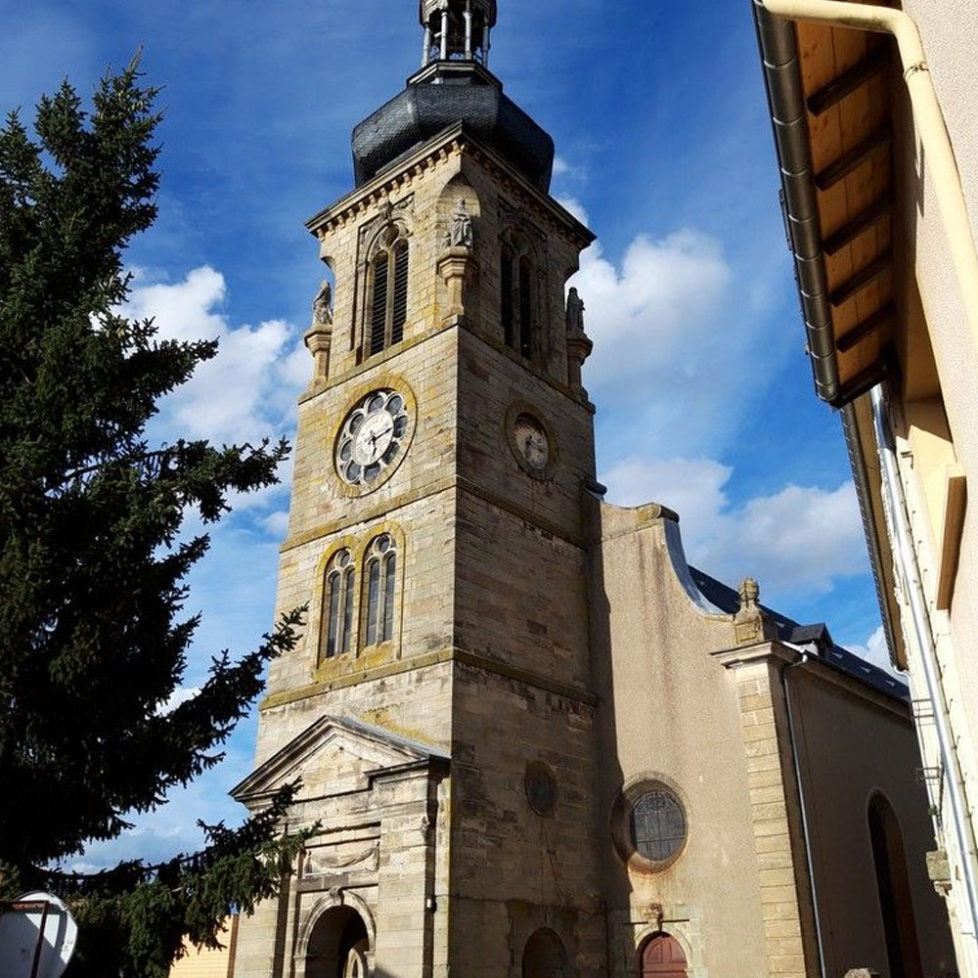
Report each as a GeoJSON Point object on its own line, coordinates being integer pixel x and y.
{"type": "Point", "coordinates": [728, 600]}
{"type": "Point", "coordinates": [441, 96]}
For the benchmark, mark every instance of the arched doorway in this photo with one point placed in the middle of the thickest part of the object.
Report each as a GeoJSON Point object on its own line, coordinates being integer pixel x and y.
{"type": "Point", "coordinates": [544, 956]}
{"type": "Point", "coordinates": [662, 957]}
{"type": "Point", "coordinates": [338, 945]}
{"type": "Point", "coordinates": [893, 886]}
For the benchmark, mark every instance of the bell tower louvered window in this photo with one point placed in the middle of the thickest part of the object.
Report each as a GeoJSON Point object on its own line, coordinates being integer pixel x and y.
{"type": "Point", "coordinates": [506, 289]}
{"type": "Point", "coordinates": [525, 306]}
{"type": "Point", "coordinates": [516, 298]}
{"type": "Point", "coordinates": [388, 297]}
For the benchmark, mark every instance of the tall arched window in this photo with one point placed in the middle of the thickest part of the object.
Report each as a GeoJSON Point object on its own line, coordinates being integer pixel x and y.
{"type": "Point", "coordinates": [893, 886]}
{"type": "Point", "coordinates": [388, 295]}
{"type": "Point", "coordinates": [516, 297]}
{"type": "Point", "coordinates": [380, 585]}
{"type": "Point", "coordinates": [337, 614]}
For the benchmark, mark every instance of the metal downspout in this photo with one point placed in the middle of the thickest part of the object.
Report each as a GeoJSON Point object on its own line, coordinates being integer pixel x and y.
{"type": "Point", "coordinates": [805, 830]}
{"type": "Point", "coordinates": [927, 114]}
{"type": "Point", "coordinates": [896, 504]}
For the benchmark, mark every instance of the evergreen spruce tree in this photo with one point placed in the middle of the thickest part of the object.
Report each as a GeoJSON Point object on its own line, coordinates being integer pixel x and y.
{"type": "Point", "coordinates": [93, 632]}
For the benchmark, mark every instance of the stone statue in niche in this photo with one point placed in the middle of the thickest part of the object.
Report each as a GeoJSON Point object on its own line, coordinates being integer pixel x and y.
{"type": "Point", "coordinates": [322, 306]}
{"type": "Point", "coordinates": [574, 315]}
{"type": "Point", "coordinates": [460, 231]}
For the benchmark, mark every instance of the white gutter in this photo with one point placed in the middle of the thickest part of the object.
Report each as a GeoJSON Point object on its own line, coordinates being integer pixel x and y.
{"type": "Point", "coordinates": [906, 558]}
{"type": "Point", "coordinates": [929, 120]}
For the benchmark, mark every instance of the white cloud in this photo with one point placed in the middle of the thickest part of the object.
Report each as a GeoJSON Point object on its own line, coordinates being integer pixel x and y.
{"type": "Point", "coordinates": [691, 487]}
{"type": "Point", "coordinates": [181, 694]}
{"type": "Point", "coordinates": [248, 390]}
{"type": "Point", "coordinates": [575, 207]}
{"type": "Point", "coordinates": [874, 650]}
{"type": "Point", "coordinates": [571, 171]}
{"type": "Point", "coordinates": [679, 358]}
{"type": "Point", "coordinates": [277, 524]}
{"type": "Point", "coordinates": [800, 538]}
{"type": "Point", "coordinates": [649, 314]}
{"type": "Point", "coordinates": [676, 358]}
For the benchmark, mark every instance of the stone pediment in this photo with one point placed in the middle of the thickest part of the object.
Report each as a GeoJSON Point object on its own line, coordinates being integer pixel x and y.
{"type": "Point", "coordinates": [333, 756]}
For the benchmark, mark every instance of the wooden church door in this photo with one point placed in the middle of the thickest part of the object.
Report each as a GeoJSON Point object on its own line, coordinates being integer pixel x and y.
{"type": "Point", "coordinates": [662, 957]}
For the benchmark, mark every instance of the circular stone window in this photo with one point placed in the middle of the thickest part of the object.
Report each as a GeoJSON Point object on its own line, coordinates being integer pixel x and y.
{"type": "Point", "coordinates": [540, 787]}
{"type": "Point", "coordinates": [649, 826]}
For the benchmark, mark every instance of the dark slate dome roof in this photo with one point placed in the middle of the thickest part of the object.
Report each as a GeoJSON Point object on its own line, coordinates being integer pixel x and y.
{"type": "Point", "coordinates": [443, 95]}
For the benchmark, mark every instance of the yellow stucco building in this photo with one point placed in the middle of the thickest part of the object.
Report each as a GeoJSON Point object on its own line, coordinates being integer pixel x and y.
{"type": "Point", "coordinates": [875, 125]}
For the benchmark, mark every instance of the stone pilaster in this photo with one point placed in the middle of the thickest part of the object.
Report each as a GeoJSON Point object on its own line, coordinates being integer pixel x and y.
{"type": "Point", "coordinates": [775, 810]}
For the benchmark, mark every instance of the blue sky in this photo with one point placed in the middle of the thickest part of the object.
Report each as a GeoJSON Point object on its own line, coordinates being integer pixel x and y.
{"type": "Point", "coordinates": [664, 145]}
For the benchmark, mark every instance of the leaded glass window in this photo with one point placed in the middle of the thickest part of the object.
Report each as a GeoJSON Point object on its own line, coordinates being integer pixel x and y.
{"type": "Point", "coordinates": [337, 613]}
{"type": "Point", "coordinates": [380, 574]}
{"type": "Point", "coordinates": [658, 824]}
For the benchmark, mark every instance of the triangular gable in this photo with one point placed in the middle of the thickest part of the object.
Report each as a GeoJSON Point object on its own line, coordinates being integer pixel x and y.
{"type": "Point", "coordinates": [333, 756]}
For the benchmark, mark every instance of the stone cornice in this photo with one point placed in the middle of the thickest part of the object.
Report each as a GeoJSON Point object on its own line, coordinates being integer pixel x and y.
{"type": "Point", "coordinates": [427, 660]}
{"type": "Point", "coordinates": [455, 139]}
{"type": "Point", "coordinates": [815, 666]}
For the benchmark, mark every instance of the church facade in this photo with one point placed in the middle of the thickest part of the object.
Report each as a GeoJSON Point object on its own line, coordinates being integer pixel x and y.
{"type": "Point", "coordinates": [534, 740]}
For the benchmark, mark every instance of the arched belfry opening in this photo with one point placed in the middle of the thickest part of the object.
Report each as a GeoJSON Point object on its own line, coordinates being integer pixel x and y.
{"type": "Point", "coordinates": [338, 945]}
{"type": "Point", "coordinates": [662, 956]}
{"type": "Point", "coordinates": [457, 30]}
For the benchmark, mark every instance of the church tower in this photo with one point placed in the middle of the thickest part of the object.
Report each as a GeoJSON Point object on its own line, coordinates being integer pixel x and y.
{"type": "Point", "coordinates": [439, 707]}
{"type": "Point", "coordinates": [534, 742]}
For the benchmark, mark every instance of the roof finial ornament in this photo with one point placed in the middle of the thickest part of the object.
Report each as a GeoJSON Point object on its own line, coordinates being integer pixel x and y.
{"type": "Point", "coordinates": [456, 30]}
{"type": "Point", "coordinates": [750, 593]}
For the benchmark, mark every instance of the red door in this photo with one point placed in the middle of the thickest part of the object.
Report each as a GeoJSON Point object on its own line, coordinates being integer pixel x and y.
{"type": "Point", "coordinates": [662, 957]}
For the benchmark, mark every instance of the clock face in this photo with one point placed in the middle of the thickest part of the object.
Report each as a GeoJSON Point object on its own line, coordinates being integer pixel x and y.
{"type": "Point", "coordinates": [532, 443]}
{"type": "Point", "coordinates": [371, 438]}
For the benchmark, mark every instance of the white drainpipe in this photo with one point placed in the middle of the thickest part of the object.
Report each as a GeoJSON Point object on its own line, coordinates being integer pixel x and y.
{"type": "Point", "coordinates": [920, 623]}
{"type": "Point", "coordinates": [929, 120]}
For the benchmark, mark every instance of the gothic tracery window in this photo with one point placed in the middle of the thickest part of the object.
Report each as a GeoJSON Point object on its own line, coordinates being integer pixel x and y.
{"type": "Point", "coordinates": [337, 613]}
{"type": "Point", "coordinates": [380, 586]}
{"type": "Point", "coordinates": [388, 291]}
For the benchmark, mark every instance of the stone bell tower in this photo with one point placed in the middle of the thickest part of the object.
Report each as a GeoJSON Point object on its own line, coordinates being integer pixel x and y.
{"type": "Point", "coordinates": [439, 706]}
